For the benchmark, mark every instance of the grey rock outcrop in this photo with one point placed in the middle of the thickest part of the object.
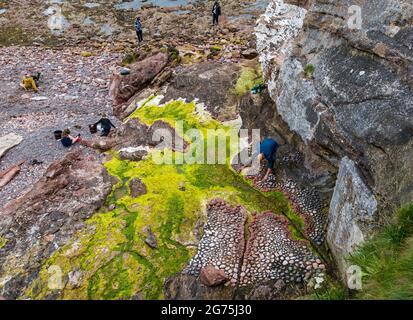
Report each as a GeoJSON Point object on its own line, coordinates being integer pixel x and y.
{"type": "Point", "coordinates": [353, 213]}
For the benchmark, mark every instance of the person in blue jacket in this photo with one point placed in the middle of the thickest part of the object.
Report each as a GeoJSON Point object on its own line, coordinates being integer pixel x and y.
{"type": "Point", "coordinates": [67, 140]}
{"type": "Point", "coordinates": [138, 29]}
{"type": "Point", "coordinates": [267, 150]}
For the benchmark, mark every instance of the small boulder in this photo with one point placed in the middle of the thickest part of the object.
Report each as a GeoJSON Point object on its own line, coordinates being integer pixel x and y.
{"type": "Point", "coordinates": [137, 188]}
{"type": "Point", "coordinates": [124, 71]}
{"type": "Point", "coordinates": [150, 239]}
{"type": "Point", "coordinates": [120, 193]}
{"type": "Point", "coordinates": [212, 277]}
{"type": "Point", "coordinates": [75, 279]}
{"type": "Point", "coordinates": [9, 141]}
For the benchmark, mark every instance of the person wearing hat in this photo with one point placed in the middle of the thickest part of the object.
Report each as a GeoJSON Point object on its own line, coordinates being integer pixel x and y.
{"type": "Point", "coordinates": [30, 82]}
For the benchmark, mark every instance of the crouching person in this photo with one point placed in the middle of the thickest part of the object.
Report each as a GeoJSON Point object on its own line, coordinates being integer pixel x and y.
{"type": "Point", "coordinates": [104, 126]}
{"type": "Point", "coordinates": [267, 151]}
{"type": "Point", "coordinates": [67, 140]}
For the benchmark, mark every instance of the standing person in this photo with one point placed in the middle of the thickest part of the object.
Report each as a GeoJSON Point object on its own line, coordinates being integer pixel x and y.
{"type": "Point", "coordinates": [216, 12]}
{"type": "Point", "coordinates": [104, 126]}
{"type": "Point", "coordinates": [138, 28]}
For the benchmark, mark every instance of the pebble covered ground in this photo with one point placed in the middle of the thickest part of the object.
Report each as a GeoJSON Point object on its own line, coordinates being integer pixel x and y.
{"type": "Point", "coordinates": [72, 93]}
{"type": "Point", "coordinates": [222, 244]}
{"type": "Point", "coordinates": [305, 199]}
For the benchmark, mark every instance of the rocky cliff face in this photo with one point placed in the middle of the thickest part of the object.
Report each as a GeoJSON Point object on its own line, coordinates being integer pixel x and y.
{"type": "Point", "coordinates": [341, 79]}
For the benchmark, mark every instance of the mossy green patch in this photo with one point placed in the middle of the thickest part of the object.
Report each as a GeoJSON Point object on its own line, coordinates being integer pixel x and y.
{"type": "Point", "coordinates": [172, 112]}
{"type": "Point", "coordinates": [331, 289]}
{"type": "Point", "coordinates": [130, 58]}
{"type": "Point", "coordinates": [86, 54]}
{"type": "Point", "coordinates": [215, 49]}
{"type": "Point", "coordinates": [309, 70]}
{"type": "Point", "coordinates": [111, 253]}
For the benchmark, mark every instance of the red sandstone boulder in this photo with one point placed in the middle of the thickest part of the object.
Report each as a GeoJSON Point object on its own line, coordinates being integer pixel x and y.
{"type": "Point", "coordinates": [211, 276]}
{"type": "Point", "coordinates": [123, 88]}
{"type": "Point", "coordinates": [46, 217]}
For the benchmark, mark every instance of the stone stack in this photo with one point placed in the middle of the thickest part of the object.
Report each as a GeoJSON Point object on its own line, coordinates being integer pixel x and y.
{"type": "Point", "coordinates": [271, 253]}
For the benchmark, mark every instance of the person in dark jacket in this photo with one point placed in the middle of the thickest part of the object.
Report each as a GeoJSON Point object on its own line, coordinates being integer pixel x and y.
{"type": "Point", "coordinates": [216, 12]}
{"type": "Point", "coordinates": [267, 151]}
{"type": "Point", "coordinates": [67, 140]}
{"type": "Point", "coordinates": [104, 126]}
{"type": "Point", "coordinates": [138, 29]}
